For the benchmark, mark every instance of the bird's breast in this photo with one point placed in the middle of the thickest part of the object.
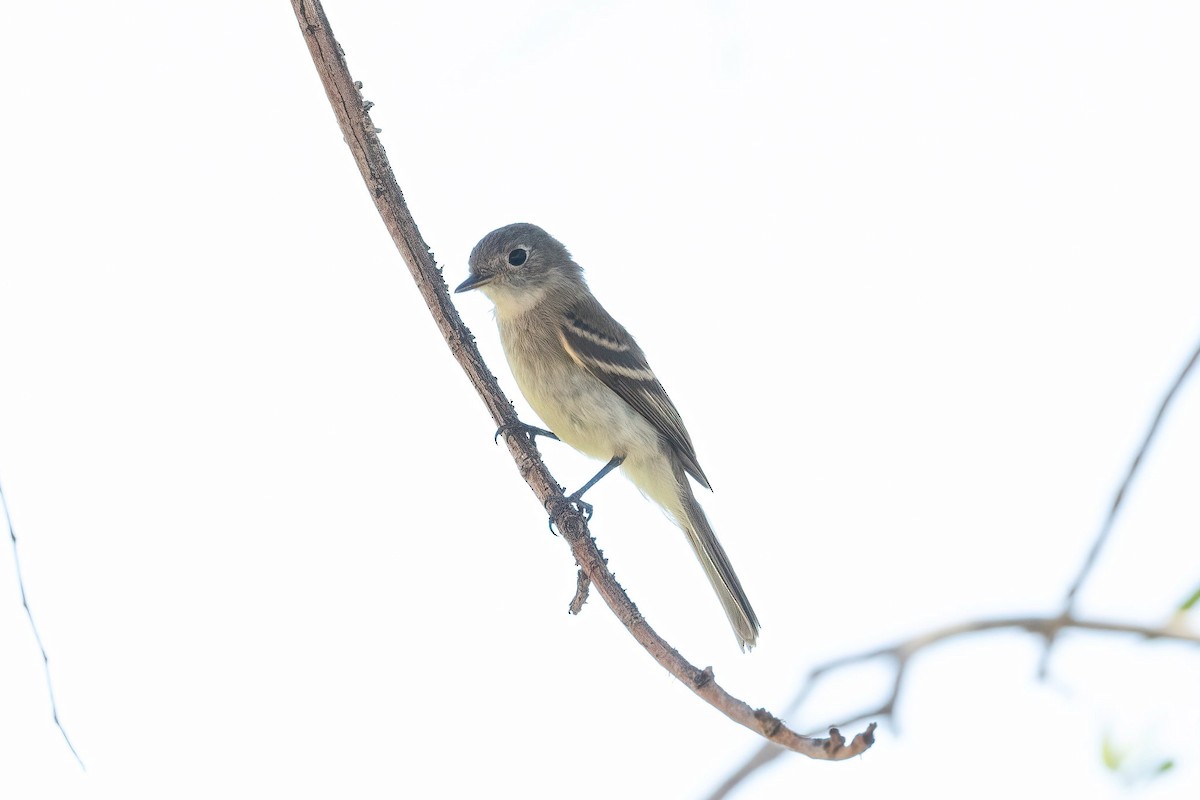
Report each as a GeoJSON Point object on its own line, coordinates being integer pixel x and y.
{"type": "Point", "coordinates": [575, 405]}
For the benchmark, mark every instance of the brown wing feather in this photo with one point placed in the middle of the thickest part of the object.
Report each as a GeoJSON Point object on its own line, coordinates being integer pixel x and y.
{"type": "Point", "coordinates": [610, 354]}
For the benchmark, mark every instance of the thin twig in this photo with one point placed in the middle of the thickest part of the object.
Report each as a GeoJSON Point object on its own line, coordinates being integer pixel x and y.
{"type": "Point", "coordinates": [1047, 627]}
{"type": "Point", "coordinates": [362, 139]}
{"type": "Point", "coordinates": [37, 637]}
{"type": "Point", "coordinates": [902, 652]}
{"type": "Point", "coordinates": [1119, 497]}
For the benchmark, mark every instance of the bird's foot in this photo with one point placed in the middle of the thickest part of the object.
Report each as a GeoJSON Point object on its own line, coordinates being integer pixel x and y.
{"type": "Point", "coordinates": [532, 431]}
{"type": "Point", "coordinates": [580, 505]}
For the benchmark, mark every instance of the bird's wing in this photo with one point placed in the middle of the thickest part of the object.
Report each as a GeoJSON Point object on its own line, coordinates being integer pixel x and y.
{"type": "Point", "coordinates": [597, 342]}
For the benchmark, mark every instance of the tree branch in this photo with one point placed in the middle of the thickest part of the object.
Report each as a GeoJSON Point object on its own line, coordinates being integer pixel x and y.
{"type": "Point", "coordinates": [363, 141]}
{"type": "Point", "coordinates": [1046, 627]}
{"type": "Point", "coordinates": [902, 652]}
{"type": "Point", "coordinates": [1119, 497]}
{"type": "Point", "coordinates": [37, 637]}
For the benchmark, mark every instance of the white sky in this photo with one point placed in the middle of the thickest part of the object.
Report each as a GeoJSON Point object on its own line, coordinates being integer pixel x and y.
{"type": "Point", "coordinates": [915, 274]}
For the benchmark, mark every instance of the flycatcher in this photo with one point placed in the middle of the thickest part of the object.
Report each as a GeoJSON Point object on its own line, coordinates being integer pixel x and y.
{"type": "Point", "coordinates": [588, 380]}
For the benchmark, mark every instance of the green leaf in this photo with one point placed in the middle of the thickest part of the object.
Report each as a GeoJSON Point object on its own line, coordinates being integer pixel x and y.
{"type": "Point", "coordinates": [1112, 756]}
{"type": "Point", "coordinates": [1191, 601]}
{"type": "Point", "coordinates": [1165, 766]}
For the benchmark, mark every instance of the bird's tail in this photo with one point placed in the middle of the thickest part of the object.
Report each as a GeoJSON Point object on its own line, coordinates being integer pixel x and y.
{"type": "Point", "coordinates": [716, 566]}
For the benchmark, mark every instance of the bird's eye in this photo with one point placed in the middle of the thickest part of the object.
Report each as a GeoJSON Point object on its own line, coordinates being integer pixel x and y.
{"type": "Point", "coordinates": [517, 257]}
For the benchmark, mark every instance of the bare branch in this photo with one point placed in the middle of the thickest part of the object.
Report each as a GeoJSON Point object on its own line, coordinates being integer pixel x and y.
{"type": "Point", "coordinates": [1119, 497]}
{"type": "Point", "coordinates": [363, 141]}
{"type": "Point", "coordinates": [37, 637]}
{"type": "Point", "coordinates": [901, 653]}
{"type": "Point", "coordinates": [1046, 627]}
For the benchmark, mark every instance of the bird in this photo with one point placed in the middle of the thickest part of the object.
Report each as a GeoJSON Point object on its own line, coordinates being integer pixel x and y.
{"type": "Point", "coordinates": [588, 380]}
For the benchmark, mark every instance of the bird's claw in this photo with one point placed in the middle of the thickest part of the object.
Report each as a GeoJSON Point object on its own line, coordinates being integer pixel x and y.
{"type": "Point", "coordinates": [579, 505]}
{"type": "Point", "coordinates": [532, 431]}
{"type": "Point", "coordinates": [583, 508]}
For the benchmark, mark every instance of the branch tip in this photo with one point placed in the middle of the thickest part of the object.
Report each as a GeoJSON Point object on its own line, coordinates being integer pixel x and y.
{"type": "Point", "coordinates": [582, 584]}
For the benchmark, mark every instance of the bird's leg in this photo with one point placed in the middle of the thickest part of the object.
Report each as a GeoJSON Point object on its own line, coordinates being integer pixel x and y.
{"type": "Point", "coordinates": [574, 497]}
{"type": "Point", "coordinates": [532, 431]}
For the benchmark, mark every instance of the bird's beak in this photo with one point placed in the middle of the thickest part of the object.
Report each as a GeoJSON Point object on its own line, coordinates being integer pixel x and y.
{"type": "Point", "coordinates": [474, 282]}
